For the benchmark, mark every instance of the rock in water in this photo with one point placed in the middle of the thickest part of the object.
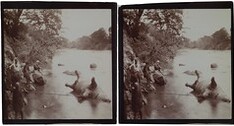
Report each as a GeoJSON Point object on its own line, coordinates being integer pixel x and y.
{"type": "Point", "coordinates": [181, 64]}
{"type": "Point", "coordinates": [60, 64]}
{"type": "Point", "coordinates": [213, 65]}
{"type": "Point", "coordinates": [93, 66]}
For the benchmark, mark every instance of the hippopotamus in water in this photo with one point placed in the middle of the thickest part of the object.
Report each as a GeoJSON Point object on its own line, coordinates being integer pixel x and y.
{"type": "Point", "coordinates": [85, 92]}
{"type": "Point", "coordinates": [211, 91]}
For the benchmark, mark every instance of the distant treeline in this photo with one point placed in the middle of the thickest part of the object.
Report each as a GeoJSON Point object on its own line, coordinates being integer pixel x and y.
{"type": "Point", "coordinates": [219, 40]}
{"type": "Point", "coordinates": [98, 40]}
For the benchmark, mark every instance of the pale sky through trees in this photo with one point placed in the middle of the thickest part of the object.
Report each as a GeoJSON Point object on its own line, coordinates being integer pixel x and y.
{"type": "Point", "coordinates": [197, 22]}
{"type": "Point", "coordinates": [83, 22]}
{"type": "Point", "coordinates": [200, 22]}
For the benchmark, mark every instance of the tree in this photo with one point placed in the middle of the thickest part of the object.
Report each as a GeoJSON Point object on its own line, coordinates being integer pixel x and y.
{"type": "Point", "coordinates": [98, 40]}
{"type": "Point", "coordinates": [35, 32]}
{"type": "Point", "coordinates": [221, 39]}
{"type": "Point", "coordinates": [132, 21]}
{"type": "Point", "coordinates": [12, 24]}
{"type": "Point", "coordinates": [154, 31]}
{"type": "Point", "coordinates": [44, 20]}
{"type": "Point", "coordinates": [169, 20]}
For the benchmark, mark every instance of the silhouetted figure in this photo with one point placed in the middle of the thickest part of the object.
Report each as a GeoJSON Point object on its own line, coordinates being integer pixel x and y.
{"type": "Point", "coordinates": [36, 66]}
{"type": "Point", "coordinates": [137, 100]}
{"type": "Point", "coordinates": [18, 101]}
{"type": "Point", "coordinates": [27, 73]}
{"type": "Point", "coordinates": [146, 73]}
{"type": "Point", "coordinates": [157, 66]}
{"type": "Point", "coordinates": [16, 73]}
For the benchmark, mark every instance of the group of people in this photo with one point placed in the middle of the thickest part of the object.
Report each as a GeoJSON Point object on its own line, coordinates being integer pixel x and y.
{"type": "Point", "coordinates": [18, 82]}
{"type": "Point", "coordinates": [135, 73]}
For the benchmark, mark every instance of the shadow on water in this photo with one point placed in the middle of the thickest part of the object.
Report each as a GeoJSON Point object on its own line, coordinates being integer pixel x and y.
{"type": "Point", "coordinates": [42, 105]}
{"type": "Point", "coordinates": [163, 105]}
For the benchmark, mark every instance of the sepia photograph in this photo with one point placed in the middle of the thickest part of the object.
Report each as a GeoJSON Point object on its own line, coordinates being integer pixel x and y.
{"type": "Point", "coordinates": [58, 62]}
{"type": "Point", "coordinates": [176, 62]}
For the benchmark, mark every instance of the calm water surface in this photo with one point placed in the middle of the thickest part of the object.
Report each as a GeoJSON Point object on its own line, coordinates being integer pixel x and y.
{"type": "Point", "coordinates": [54, 100]}
{"type": "Point", "coordinates": [175, 100]}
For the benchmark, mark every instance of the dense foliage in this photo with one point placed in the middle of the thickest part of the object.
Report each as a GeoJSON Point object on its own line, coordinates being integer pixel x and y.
{"type": "Point", "coordinates": [153, 34]}
{"type": "Point", "coordinates": [33, 34]}
{"type": "Point", "coordinates": [219, 40]}
{"type": "Point", "coordinates": [98, 40]}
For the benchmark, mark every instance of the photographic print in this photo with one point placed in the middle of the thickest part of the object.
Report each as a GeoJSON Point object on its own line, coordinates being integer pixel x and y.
{"type": "Point", "coordinates": [176, 63]}
{"type": "Point", "coordinates": [58, 62]}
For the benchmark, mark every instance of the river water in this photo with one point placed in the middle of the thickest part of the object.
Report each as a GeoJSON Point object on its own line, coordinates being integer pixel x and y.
{"type": "Point", "coordinates": [174, 101]}
{"type": "Point", "coordinates": [54, 100]}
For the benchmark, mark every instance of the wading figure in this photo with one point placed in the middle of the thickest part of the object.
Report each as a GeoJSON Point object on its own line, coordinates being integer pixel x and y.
{"type": "Point", "coordinates": [146, 72]}
{"type": "Point", "coordinates": [27, 73]}
{"type": "Point", "coordinates": [137, 98]}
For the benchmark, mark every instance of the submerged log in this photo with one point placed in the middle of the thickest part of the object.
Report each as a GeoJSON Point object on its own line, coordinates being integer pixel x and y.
{"type": "Point", "coordinates": [193, 73]}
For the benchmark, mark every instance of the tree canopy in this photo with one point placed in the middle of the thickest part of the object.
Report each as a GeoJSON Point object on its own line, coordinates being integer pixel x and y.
{"type": "Point", "coordinates": [219, 40]}
{"type": "Point", "coordinates": [154, 31]}
{"type": "Point", "coordinates": [33, 33]}
{"type": "Point", "coordinates": [98, 40]}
